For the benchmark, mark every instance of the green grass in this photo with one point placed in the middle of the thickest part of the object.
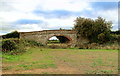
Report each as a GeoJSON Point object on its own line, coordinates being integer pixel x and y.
{"type": "Point", "coordinates": [10, 58]}
{"type": "Point", "coordinates": [69, 61]}
{"type": "Point", "coordinates": [53, 41]}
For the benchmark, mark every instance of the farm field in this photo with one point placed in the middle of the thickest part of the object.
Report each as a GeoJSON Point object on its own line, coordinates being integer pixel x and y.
{"type": "Point", "coordinates": [61, 61]}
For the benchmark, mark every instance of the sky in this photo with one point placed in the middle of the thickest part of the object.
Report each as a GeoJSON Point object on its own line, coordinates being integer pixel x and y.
{"type": "Point", "coordinates": [37, 15]}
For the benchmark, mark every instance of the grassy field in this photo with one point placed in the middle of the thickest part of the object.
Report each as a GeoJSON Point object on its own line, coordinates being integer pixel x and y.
{"type": "Point", "coordinates": [61, 61]}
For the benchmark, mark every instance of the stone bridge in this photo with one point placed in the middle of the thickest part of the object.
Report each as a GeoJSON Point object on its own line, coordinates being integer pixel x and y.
{"type": "Point", "coordinates": [65, 36]}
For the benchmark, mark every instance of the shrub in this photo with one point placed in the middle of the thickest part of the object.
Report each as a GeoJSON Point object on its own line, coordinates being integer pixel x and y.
{"type": "Point", "coordinates": [82, 46]}
{"type": "Point", "coordinates": [12, 46]}
{"type": "Point", "coordinates": [8, 45]}
{"type": "Point", "coordinates": [115, 38]}
{"type": "Point", "coordinates": [54, 46]}
{"type": "Point", "coordinates": [13, 34]}
{"type": "Point", "coordinates": [58, 46]}
{"type": "Point", "coordinates": [92, 45]}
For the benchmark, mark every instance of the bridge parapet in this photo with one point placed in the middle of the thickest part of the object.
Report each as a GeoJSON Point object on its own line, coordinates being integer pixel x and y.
{"type": "Point", "coordinates": [48, 32]}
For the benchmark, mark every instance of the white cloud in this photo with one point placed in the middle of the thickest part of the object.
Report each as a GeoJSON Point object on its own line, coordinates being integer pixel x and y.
{"type": "Point", "coordinates": [30, 5]}
{"type": "Point", "coordinates": [15, 15]}
{"type": "Point", "coordinates": [2, 33]}
{"type": "Point", "coordinates": [69, 5]}
{"type": "Point", "coordinates": [61, 23]}
{"type": "Point", "coordinates": [27, 27]}
{"type": "Point", "coordinates": [23, 8]}
{"type": "Point", "coordinates": [111, 15]}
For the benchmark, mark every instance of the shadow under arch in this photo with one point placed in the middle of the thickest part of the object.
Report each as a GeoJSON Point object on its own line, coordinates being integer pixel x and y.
{"type": "Point", "coordinates": [62, 38]}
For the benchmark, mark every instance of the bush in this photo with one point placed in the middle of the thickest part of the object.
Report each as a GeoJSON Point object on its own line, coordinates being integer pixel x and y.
{"type": "Point", "coordinates": [114, 39]}
{"type": "Point", "coordinates": [82, 46]}
{"type": "Point", "coordinates": [54, 46]}
{"type": "Point", "coordinates": [12, 46]}
{"type": "Point", "coordinates": [13, 34]}
{"type": "Point", "coordinates": [92, 45]}
{"type": "Point", "coordinates": [58, 46]}
{"type": "Point", "coordinates": [8, 45]}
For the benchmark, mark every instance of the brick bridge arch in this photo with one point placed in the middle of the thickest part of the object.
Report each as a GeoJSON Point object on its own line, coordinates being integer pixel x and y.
{"type": "Point", "coordinates": [43, 36]}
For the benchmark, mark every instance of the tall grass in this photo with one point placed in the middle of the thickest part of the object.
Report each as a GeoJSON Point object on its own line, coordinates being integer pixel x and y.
{"type": "Point", "coordinates": [113, 45]}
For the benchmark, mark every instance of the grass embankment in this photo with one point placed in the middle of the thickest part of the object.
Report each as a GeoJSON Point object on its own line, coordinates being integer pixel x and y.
{"type": "Point", "coordinates": [61, 61]}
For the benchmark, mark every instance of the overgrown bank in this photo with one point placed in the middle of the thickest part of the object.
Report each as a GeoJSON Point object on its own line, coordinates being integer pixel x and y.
{"type": "Point", "coordinates": [16, 46]}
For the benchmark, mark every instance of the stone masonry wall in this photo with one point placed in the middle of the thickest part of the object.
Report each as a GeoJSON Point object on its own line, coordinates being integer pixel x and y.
{"type": "Point", "coordinates": [43, 36]}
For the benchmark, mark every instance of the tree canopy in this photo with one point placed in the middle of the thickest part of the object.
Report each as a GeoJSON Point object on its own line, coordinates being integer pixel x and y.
{"type": "Point", "coordinates": [97, 30]}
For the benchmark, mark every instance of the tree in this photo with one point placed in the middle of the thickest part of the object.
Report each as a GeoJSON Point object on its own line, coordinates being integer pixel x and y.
{"type": "Point", "coordinates": [93, 30]}
{"type": "Point", "coordinates": [61, 29]}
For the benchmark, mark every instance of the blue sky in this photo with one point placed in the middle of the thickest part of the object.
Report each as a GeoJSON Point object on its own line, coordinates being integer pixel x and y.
{"type": "Point", "coordinates": [36, 15]}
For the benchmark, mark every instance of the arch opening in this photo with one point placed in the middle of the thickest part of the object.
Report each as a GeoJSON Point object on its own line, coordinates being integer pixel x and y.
{"type": "Point", "coordinates": [59, 39]}
{"type": "Point", "coordinates": [63, 39]}
{"type": "Point", "coordinates": [53, 39]}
